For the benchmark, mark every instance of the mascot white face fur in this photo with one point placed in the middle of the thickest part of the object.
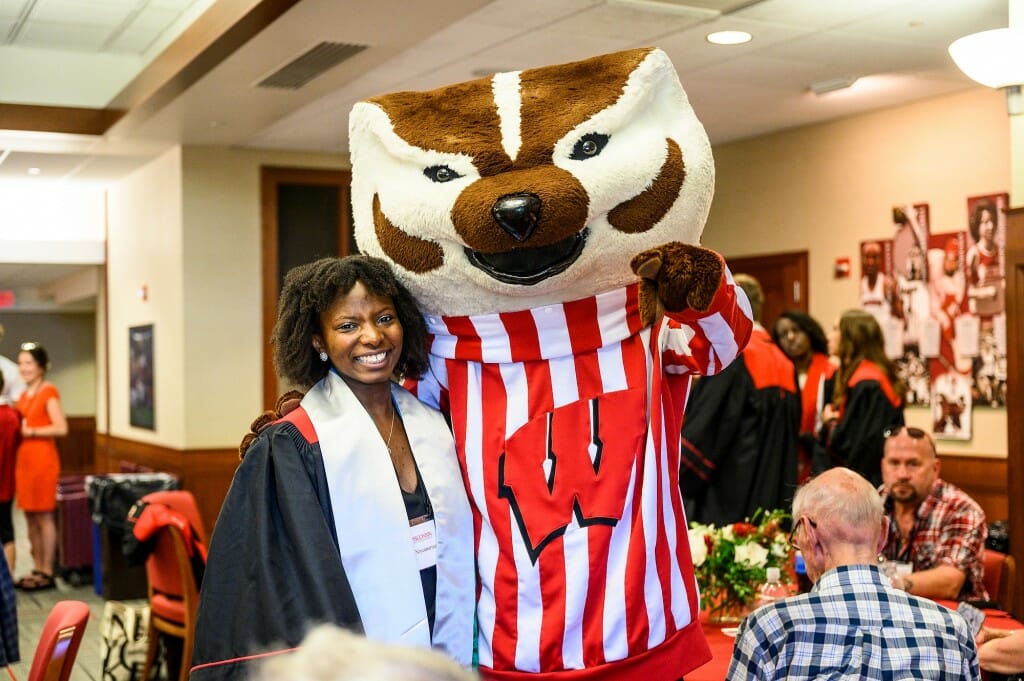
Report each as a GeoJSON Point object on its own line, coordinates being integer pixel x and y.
{"type": "Point", "coordinates": [547, 222]}
{"type": "Point", "coordinates": [529, 187]}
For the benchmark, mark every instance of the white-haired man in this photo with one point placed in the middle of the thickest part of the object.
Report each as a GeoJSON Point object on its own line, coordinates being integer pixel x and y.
{"type": "Point", "coordinates": [853, 624]}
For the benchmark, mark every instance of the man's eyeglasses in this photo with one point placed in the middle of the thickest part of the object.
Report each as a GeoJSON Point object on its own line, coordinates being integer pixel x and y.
{"type": "Point", "coordinates": [796, 526]}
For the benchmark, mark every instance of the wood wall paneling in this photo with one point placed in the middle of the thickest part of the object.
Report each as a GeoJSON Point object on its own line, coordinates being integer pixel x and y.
{"type": "Point", "coordinates": [78, 448]}
{"type": "Point", "coordinates": [983, 478]}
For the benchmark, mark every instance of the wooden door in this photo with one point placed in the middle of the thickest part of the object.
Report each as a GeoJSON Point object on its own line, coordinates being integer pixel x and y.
{"type": "Point", "coordinates": [783, 277]}
{"type": "Point", "coordinates": [1015, 394]}
{"type": "Point", "coordinates": [306, 214]}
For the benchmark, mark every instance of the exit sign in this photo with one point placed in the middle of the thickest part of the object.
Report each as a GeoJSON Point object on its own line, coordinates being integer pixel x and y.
{"type": "Point", "coordinates": [6, 298]}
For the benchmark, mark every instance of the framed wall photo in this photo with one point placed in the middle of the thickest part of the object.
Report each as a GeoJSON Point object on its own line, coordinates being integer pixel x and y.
{"type": "Point", "coordinates": [140, 377]}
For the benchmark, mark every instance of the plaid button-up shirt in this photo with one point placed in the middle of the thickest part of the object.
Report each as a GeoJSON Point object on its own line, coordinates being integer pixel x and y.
{"type": "Point", "coordinates": [949, 529]}
{"type": "Point", "coordinates": [853, 625]}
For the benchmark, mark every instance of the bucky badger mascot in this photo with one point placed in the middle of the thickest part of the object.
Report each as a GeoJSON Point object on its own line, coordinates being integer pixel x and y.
{"type": "Point", "coordinates": [547, 221]}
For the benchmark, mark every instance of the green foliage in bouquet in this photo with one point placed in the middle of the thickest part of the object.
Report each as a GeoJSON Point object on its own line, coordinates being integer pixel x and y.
{"type": "Point", "coordinates": [730, 562]}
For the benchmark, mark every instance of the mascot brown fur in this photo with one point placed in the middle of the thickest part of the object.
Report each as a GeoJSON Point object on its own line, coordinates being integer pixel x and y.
{"type": "Point", "coordinates": [548, 222]}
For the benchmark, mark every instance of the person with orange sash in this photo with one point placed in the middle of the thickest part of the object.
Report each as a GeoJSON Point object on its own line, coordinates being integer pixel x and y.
{"type": "Point", "coordinates": [867, 399]}
{"type": "Point", "coordinates": [803, 340]}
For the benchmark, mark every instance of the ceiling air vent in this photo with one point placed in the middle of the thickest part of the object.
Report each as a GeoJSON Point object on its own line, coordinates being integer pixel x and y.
{"type": "Point", "coordinates": [311, 64]}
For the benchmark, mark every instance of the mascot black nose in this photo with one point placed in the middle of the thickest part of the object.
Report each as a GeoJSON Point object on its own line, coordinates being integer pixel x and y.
{"type": "Point", "coordinates": [517, 214]}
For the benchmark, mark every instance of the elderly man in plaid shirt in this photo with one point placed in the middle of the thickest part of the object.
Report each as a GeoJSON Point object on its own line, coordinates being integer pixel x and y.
{"type": "Point", "coordinates": [853, 624]}
{"type": "Point", "coordinates": [932, 524]}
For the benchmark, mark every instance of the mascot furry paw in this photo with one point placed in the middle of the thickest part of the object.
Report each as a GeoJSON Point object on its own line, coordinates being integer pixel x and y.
{"type": "Point", "coordinates": [548, 220]}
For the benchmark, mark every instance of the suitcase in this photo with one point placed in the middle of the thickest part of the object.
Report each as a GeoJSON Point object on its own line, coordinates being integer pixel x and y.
{"type": "Point", "coordinates": [74, 530]}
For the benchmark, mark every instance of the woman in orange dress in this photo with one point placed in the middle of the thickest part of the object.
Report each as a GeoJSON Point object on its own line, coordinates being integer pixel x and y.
{"type": "Point", "coordinates": [38, 465]}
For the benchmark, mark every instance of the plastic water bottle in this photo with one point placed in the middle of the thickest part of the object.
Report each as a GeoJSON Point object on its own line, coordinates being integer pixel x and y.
{"type": "Point", "coordinates": [773, 589]}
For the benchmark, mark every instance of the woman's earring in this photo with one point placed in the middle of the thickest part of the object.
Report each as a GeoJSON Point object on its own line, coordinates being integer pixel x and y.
{"type": "Point", "coordinates": [323, 356]}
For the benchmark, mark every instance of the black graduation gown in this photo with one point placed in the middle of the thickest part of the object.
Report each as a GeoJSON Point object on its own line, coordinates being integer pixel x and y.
{"type": "Point", "coordinates": [274, 569]}
{"type": "Point", "coordinates": [857, 439]}
{"type": "Point", "coordinates": [740, 437]}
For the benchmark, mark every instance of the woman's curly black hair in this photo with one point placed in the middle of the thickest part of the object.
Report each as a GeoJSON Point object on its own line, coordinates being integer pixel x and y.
{"type": "Point", "coordinates": [312, 288]}
{"type": "Point", "coordinates": [807, 324]}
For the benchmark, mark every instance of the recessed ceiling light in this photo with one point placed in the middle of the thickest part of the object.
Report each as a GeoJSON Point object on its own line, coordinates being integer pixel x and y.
{"type": "Point", "coordinates": [34, 171]}
{"type": "Point", "coordinates": [729, 37]}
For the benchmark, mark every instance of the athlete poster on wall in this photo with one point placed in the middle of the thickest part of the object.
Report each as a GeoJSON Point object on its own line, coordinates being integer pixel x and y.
{"type": "Point", "coordinates": [986, 295]}
{"type": "Point", "coordinates": [949, 366]}
{"type": "Point", "coordinates": [941, 302]}
{"type": "Point", "coordinates": [912, 308]}
{"type": "Point", "coordinates": [877, 287]}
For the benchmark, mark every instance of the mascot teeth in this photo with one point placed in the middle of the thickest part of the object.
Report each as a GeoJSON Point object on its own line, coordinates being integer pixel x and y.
{"type": "Point", "coordinates": [527, 266]}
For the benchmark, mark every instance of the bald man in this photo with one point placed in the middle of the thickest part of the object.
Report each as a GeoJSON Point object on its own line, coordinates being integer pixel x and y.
{"type": "Point", "coordinates": [933, 524]}
{"type": "Point", "coordinates": [853, 624]}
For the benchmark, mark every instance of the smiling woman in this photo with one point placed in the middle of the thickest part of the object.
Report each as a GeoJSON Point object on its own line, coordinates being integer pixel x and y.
{"type": "Point", "coordinates": [357, 490]}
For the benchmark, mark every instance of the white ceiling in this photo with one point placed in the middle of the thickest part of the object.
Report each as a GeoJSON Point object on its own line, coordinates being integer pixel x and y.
{"type": "Point", "coordinates": [83, 52]}
{"type": "Point", "coordinates": [897, 47]}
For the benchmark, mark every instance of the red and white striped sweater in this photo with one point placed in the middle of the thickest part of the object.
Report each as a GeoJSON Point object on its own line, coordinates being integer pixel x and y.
{"type": "Point", "coordinates": [566, 420]}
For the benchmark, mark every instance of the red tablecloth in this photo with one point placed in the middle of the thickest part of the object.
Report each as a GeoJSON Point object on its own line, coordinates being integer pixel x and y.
{"type": "Point", "coordinates": [721, 645]}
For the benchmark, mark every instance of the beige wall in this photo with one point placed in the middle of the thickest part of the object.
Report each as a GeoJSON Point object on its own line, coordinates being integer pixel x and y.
{"type": "Point", "coordinates": [223, 325]}
{"type": "Point", "coordinates": [826, 188]}
{"type": "Point", "coordinates": [70, 341]}
{"type": "Point", "coordinates": [187, 225]}
{"type": "Point", "coordinates": [1016, 8]}
{"type": "Point", "coordinates": [1017, 162]}
{"type": "Point", "coordinates": [144, 248]}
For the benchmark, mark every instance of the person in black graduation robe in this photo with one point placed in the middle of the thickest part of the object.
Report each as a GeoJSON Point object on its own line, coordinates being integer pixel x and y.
{"type": "Point", "coordinates": [287, 577]}
{"type": "Point", "coordinates": [741, 437]}
{"type": "Point", "coordinates": [856, 439]}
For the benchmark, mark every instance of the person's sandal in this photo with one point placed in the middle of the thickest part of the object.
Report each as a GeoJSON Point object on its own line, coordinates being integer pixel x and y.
{"type": "Point", "coordinates": [28, 580]}
{"type": "Point", "coordinates": [37, 581]}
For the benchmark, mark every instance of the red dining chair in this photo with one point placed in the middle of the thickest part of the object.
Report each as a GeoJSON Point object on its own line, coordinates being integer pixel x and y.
{"type": "Point", "coordinates": [173, 592]}
{"type": "Point", "coordinates": [1000, 575]}
{"type": "Point", "coordinates": [58, 644]}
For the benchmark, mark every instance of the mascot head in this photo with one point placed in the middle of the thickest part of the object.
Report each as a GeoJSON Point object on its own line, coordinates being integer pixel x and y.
{"type": "Point", "coordinates": [531, 187]}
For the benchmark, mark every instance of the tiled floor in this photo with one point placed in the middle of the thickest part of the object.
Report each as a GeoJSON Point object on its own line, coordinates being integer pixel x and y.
{"type": "Point", "coordinates": [34, 607]}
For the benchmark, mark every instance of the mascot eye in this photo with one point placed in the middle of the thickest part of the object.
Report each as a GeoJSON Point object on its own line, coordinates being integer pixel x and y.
{"type": "Point", "coordinates": [588, 146]}
{"type": "Point", "coordinates": [441, 174]}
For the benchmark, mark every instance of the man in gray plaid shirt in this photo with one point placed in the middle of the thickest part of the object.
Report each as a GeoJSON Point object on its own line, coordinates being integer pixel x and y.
{"type": "Point", "coordinates": [853, 624]}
